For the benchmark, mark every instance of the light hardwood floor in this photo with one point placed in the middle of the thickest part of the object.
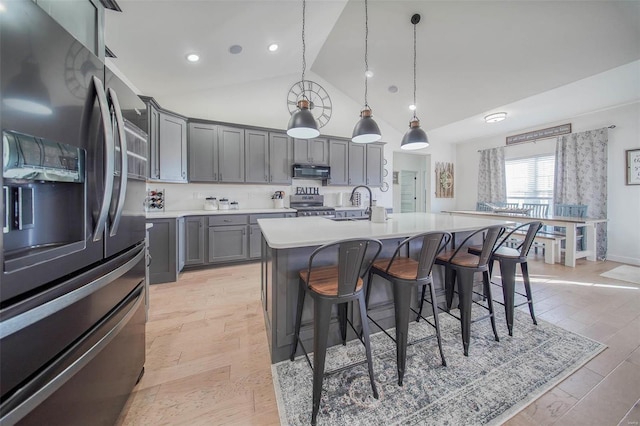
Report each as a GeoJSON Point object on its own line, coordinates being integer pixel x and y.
{"type": "Point", "coordinates": [208, 359]}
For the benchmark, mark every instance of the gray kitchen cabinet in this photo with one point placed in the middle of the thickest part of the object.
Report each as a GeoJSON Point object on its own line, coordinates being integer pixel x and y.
{"type": "Point", "coordinates": [255, 241]}
{"type": "Point", "coordinates": [311, 151]}
{"type": "Point", "coordinates": [227, 243]}
{"type": "Point", "coordinates": [172, 144]}
{"type": "Point", "coordinates": [230, 154]}
{"type": "Point", "coordinates": [163, 250]}
{"type": "Point", "coordinates": [256, 156]}
{"type": "Point", "coordinates": [357, 164]}
{"type": "Point", "coordinates": [341, 213]}
{"type": "Point", "coordinates": [375, 158]}
{"type": "Point", "coordinates": [339, 162]}
{"type": "Point", "coordinates": [203, 152]}
{"type": "Point", "coordinates": [154, 146]}
{"type": "Point", "coordinates": [280, 154]}
{"type": "Point", "coordinates": [194, 237]}
{"type": "Point", "coordinates": [180, 236]}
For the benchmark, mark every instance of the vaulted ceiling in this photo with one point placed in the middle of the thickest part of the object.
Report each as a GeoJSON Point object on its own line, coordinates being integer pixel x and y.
{"type": "Point", "coordinates": [473, 57]}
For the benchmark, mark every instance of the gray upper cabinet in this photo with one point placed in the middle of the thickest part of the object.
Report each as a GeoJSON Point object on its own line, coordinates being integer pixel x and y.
{"type": "Point", "coordinates": [256, 156]}
{"type": "Point", "coordinates": [280, 153]}
{"type": "Point", "coordinates": [338, 161]}
{"type": "Point", "coordinates": [357, 163]}
{"type": "Point", "coordinates": [171, 146]}
{"type": "Point", "coordinates": [375, 158]}
{"type": "Point", "coordinates": [203, 148]}
{"type": "Point", "coordinates": [311, 151]}
{"type": "Point", "coordinates": [154, 146]}
{"type": "Point", "coordinates": [230, 154]}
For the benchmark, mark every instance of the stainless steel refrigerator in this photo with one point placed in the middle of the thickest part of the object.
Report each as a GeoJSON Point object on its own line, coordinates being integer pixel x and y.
{"type": "Point", "coordinates": [72, 290]}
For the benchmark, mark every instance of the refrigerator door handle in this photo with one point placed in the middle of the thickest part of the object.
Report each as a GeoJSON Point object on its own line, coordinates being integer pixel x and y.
{"type": "Point", "coordinates": [22, 321]}
{"type": "Point", "coordinates": [109, 159]}
{"type": "Point", "coordinates": [46, 391]}
{"type": "Point", "coordinates": [124, 167]}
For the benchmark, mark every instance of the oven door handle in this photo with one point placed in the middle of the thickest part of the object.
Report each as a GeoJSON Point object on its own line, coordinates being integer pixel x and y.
{"type": "Point", "coordinates": [124, 166]}
{"type": "Point", "coordinates": [109, 154]}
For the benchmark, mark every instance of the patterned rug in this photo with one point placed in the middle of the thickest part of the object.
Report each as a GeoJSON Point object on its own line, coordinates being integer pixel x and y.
{"type": "Point", "coordinates": [492, 384]}
{"type": "Point", "coordinates": [626, 273]}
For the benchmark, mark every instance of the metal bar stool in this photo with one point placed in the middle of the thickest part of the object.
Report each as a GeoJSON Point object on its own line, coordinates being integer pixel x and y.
{"type": "Point", "coordinates": [405, 274]}
{"type": "Point", "coordinates": [508, 258]}
{"type": "Point", "coordinates": [335, 284]}
{"type": "Point", "coordinates": [460, 267]}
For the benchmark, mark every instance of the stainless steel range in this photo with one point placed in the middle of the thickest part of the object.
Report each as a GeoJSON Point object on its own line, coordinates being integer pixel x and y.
{"type": "Point", "coordinates": [311, 205]}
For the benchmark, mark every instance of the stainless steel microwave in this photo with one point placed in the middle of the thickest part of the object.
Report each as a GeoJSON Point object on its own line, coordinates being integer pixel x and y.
{"type": "Point", "coordinates": [309, 171]}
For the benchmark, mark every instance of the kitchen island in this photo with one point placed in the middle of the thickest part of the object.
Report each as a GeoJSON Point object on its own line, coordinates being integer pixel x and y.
{"type": "Point", "coordinates": [287, 244]}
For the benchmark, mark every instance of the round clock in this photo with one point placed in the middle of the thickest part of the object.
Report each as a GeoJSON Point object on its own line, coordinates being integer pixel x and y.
{"type": "Point", "coordinates": [319, 100]}
{"type": "Point", "coordinates": [384, 187]}
{"type": "Point", "coordinates": [78, 70]}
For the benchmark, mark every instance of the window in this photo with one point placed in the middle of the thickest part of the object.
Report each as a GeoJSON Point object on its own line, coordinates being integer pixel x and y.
{"type": "Point", "coordinates": [530, 179]}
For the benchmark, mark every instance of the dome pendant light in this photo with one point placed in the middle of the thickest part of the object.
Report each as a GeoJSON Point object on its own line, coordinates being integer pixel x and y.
{"type": "Point", "coordinates": [415, 138]}
{"type": "Point", "coordinates": [302, 125]}
{"type": "Point", "coordinates": [366, 129]}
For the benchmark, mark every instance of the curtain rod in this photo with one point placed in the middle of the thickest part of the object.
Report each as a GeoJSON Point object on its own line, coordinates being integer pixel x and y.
{"type": "Point", "coordinates": [613, 126]}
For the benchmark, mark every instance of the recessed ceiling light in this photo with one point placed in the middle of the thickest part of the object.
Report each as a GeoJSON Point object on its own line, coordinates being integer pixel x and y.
{"type": "Point", "coordinates": [412, 107]}
{"type": "Point", "coordinates": [393, 89]}
{"type": "Point", "coordinates": [495, 117]}
{"type": "Point", "coordinates": [192, 57]}
{"type": "Point", "coordinates": [368, 73]}
{"type": "Point", "coordinates": [235, 49]}
{"type": "Point", "coordinates": [273, 47]}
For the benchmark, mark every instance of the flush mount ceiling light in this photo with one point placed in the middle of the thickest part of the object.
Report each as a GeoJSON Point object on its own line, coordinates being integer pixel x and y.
{"type": "Point", "coordinates": [192, 57]}
{"type": "Point", "coordinates": [273, 47]}
{"type": "Point", "coordinates": [495, 117]}
{"type": "Point", "coordinates": [235, 49]}
{"type": "Point", "coordinates": [366, 129]}
{"type": "Point", "coordinates": [302, 125]}
{"type": "Point", "coordinates": [415, 138]}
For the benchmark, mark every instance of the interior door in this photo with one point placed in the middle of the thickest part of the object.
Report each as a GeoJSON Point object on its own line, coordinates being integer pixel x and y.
{"type": "Point", "coordinates": [408, 191]}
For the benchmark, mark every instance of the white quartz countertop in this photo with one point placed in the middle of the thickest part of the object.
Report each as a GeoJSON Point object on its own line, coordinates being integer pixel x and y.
{"type": "Point", "coordinates": [201, 212]}
{"type": "Point", "coordinates": [313, 231]}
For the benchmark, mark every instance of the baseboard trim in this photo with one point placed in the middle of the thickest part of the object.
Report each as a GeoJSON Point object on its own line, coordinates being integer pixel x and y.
{"type": "Point", "coordinates": [624, 259]}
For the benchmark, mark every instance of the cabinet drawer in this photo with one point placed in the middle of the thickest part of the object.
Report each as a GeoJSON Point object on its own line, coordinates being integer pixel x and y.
{"type": "Point", "coordinates": [253, 219]}
{"type": "Point", "coordinates": [237, 219]}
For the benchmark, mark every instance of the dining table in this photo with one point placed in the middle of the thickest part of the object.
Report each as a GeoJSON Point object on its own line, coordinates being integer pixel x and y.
{"type": "Point", "coordinates": [571, 225]}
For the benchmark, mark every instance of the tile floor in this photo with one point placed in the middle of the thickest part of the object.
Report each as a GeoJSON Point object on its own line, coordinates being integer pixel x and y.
{"type": "Point", "coordinates": [208, 358]}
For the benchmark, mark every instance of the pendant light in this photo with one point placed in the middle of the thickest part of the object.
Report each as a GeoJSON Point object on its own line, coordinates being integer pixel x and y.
{"type": "Point", "coordinates": [302, 125]}
{"type": "Point", "coordinates": [415, 138]}
{"type": "Point", "coordinates": [366, 129]}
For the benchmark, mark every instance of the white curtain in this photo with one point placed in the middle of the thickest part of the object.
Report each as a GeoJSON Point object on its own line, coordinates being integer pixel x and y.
{"type": "Point", "coordinates": [492, 183]}
{"type": "Point", "coordinates": [581, 177]}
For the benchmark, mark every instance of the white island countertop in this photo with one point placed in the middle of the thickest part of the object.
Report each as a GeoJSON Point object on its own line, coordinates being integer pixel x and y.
{"type": "Point", "coordinates": [201, 212]}
{"type": "Point", "coordinates": [313, 231]}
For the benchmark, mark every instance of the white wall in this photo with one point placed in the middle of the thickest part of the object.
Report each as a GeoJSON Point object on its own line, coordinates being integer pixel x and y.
{"type": "Point", "coordinates": [623, 207]}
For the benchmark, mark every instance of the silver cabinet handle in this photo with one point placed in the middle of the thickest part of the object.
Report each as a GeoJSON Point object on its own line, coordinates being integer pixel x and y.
{"type": "Point", "coordinates": [109, 160]}
{"type": "Point", "coordinates": [124, 167]}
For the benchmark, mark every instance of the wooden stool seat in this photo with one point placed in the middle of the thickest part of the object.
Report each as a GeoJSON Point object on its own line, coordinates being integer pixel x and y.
{"type": "Point", "coordinates": [324, 280]}
{"type": "Point", "coordinates": [466, 260]}
{"type": "Point", "coordinates": [404, 268]}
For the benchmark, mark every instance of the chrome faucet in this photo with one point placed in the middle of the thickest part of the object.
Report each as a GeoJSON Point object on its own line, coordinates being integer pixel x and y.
{"type": "Point", "coordinates": [368, 210]}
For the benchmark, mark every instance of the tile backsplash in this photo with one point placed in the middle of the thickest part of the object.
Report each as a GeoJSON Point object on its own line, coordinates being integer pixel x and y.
{"type": "Point", "coordinates": [191, 196]}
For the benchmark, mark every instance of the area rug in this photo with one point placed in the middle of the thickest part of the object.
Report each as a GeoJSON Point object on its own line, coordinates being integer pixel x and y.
{"type": "Point", "coordinates": [492, 384]}
{"type": "Point", "coordinates": [626, 273]}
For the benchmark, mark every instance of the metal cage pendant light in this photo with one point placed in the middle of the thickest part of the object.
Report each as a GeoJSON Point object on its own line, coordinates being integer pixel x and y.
{"type": "Point", "coordinates": [366, 129]}
{"type": "Point", "coordinates": [415, 138]}
{"type": "Point", "coordinates": [302, 125]}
